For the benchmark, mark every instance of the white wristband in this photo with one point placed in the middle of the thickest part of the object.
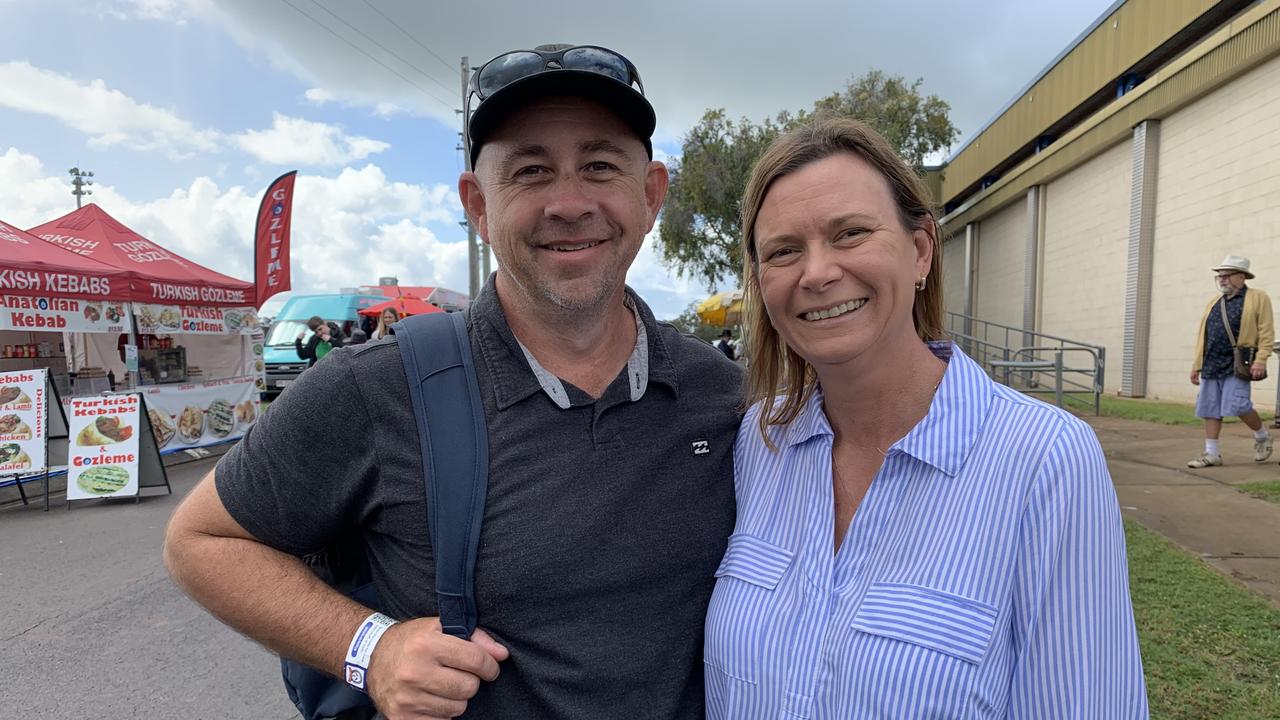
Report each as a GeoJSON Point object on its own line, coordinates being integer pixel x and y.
{"type": "Point", "coordinates": [356, 665]}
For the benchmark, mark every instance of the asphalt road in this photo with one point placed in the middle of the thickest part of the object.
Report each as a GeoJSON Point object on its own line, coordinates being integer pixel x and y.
{"type": "Point", "coordinates": [91, 626]}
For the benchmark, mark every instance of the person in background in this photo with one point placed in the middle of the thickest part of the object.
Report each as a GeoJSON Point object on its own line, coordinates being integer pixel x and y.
{"type": "Point", "coordinates": [726, 344]}
{"type": "Point", "coordinates": [913, 540]}
{"type": "Point", "coordinates": [325, 336]}
{"type": "Point", "coordinates": [386, 319]}
{"type": "Point", "coordinates": [1238, 316]}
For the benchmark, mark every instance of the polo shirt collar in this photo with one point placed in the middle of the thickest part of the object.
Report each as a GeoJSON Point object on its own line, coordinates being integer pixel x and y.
{"type": "Point", "coordinates": [515, 373]}
{"type": "Point", "coordinates": [946, 434]}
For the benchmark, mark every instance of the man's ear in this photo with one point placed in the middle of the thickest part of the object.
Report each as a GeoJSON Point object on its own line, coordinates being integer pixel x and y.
{"type": "Point", "coordinates": [656, 181]}
{"type": "Point", "coordinates": [472, 196]}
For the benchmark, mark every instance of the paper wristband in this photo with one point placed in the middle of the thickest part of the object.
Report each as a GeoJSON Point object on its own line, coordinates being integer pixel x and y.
{"type": "Point", "coordinates": [356, 665]}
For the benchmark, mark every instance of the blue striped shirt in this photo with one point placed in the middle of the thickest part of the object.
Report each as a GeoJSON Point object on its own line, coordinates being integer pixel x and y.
{"type": "Point", "coordinates": [983, 574]}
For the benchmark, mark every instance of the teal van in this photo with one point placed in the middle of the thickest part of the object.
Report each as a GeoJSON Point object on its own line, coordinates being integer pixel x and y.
{"type": "Point", "coordinates": [342, 309]}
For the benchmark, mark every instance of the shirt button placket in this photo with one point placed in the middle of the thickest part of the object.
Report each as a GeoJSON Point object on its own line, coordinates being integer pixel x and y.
{"type": "Point", "coordinates": [808, 646]}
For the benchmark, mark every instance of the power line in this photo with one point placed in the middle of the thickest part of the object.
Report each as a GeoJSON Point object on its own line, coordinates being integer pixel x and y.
{"type": "Point", "coordinates": [384, 48]}
{"type": "Point", "coordinates": [404, 32]}
{"type": "Point", "coordinates": [362, 51]}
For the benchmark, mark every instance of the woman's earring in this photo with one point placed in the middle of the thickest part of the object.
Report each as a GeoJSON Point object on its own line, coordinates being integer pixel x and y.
{"type": "Point", "coordinates": [920, 285]}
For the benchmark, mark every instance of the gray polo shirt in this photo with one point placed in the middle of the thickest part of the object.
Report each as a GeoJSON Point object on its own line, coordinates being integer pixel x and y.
{"type": "Point", "coordinates": [604, 521]}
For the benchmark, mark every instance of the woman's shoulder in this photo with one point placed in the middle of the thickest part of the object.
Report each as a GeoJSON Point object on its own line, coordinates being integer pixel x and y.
{"type": "Point", "coordinates": [1033, 424]}
{"type": "Point", "coordinates": [755, 439]}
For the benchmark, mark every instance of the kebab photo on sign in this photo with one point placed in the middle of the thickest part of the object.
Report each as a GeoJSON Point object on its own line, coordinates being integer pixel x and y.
{"type": "Point", "coordinates": [104, 430]}
{"type": "Point", "coordinates": [13, 457]}
{"type": "Point", "coordinates": [12, 396]}
{"type": "Point", "coordinates": [12, 427]}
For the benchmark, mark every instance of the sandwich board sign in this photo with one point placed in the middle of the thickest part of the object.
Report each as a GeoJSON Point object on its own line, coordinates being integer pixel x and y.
{"type": "Point", "coordinates": [27, 423]}
{"type": "Point", "coordinates": [112, 452]}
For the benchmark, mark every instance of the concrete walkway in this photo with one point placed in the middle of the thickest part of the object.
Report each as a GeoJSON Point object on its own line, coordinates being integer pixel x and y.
{"type": "Point", "coordinates": [1199, 510]}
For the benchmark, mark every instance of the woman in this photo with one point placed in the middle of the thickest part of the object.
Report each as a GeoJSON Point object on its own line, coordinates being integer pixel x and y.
{"type": "Point", "coordinates": [912, 540]}
{"type": "Point", "coordinates": [386, 319]}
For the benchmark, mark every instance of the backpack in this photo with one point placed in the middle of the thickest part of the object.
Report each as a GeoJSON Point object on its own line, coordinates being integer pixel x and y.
{"type": "Point", "coordinates": [436, 353]}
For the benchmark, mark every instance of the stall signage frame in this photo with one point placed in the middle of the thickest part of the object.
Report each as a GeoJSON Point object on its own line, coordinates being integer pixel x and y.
{"type": "Point", "coordinates": [55, 314]}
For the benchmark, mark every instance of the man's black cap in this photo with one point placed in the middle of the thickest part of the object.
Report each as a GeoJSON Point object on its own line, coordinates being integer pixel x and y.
{"type": "Point", "coordinates": [625, 101]}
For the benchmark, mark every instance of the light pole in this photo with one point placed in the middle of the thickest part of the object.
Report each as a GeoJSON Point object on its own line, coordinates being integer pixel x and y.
{"type": "Point", "coordinates": [79, 183]}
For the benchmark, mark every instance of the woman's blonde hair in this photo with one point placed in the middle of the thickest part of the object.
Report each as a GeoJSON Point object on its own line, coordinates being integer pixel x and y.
{"type": "Point", "coordinates": [777, 371]}
{"type": "Point", "coordinates": [383, 328]}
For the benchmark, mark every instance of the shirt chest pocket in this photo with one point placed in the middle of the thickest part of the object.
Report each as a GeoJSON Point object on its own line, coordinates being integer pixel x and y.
{"type": "Point", "coordinates": [953, 625]}
{"type": "Point", "coordinates": [747, 609]}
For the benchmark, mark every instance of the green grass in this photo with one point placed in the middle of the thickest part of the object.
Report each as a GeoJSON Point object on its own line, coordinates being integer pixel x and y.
{"type": "Point", "coordinates": [1210, 649]}
{"type": "Point", "coordinates": [1266, 489]}
{"type": "Point", "coordinates": [1156, 411]}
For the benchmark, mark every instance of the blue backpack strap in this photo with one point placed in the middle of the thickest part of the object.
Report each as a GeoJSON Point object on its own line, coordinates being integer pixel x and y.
{"type": "Point", "coordinates": [436, 351]}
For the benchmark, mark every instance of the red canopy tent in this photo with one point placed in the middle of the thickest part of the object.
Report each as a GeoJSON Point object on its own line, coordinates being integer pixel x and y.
{"type": "Point", "coordinates": [443, 298]}
{"type": "Point", "coordinates": [30, 266]}
{"type": "Point", "coordinates": [405, 305]}
{"type": "Point", "coordinates": [156, 275]}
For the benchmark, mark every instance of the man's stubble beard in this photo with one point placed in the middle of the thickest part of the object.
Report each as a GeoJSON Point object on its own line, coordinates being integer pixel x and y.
{"type": "Point", "coordinates": [542, 292]}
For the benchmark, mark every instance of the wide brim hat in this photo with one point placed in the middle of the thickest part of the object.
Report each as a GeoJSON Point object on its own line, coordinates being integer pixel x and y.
{"type": "Point", "coordinates": [1236, 263]}
{"type": "Point", "coordinates": [622, 100]}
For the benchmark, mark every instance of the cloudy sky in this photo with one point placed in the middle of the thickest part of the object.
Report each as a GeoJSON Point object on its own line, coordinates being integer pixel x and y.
{"type": "Point", "coordinates": [186, 109]}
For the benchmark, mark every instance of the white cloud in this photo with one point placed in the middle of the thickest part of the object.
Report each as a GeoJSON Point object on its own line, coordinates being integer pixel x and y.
{"type": "Point", "coordinates": [30, 196]}
{"type": "Point", "coordinates": [175, 11]}
{"type": "Point", "coordinates": [110, 117]}
{"type": "Point", "coordinates": [295, 141]}
{"type": "Point", "coordinates": [107, 116]}
{"type": "Point", "coordinates": [347, 229]}
{"type": "Point", "coordinates": [319, 96]}
{"type": "Point", "coordinates": [666, 293]}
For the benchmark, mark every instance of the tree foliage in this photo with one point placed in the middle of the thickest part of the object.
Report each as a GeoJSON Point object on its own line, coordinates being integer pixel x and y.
{"type": "Point", "coordinates": [689, 323]}
{"type": "Point", "coordinates": [700, 231]}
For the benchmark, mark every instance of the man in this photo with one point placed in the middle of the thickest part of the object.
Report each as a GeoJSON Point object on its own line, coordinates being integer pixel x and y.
{"type": "Point", "coordinates": [610, 493]}
{"type": "Point", "coordinates": [1222, 394]}
{"type": "Point", "coordinates": [726, 344]}
{"type": "Point", "coordinates": [325, 336]}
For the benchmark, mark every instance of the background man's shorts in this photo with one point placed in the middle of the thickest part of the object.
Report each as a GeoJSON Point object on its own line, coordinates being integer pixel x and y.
{"type": "Point", "coordinates": [1223, 397]}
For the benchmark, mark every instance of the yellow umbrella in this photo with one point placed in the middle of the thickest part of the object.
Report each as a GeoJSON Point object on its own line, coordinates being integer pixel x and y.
{"type": "Point", "coordinates": [723, 309]}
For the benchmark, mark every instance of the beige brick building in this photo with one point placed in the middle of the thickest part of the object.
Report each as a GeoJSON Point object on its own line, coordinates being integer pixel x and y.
{"type": "Point", "coordinates": [1095, 204]}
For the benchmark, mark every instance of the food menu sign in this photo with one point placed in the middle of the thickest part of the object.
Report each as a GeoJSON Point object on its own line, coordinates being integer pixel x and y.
{"type": "Point", "coordinates": [20, 312]}
{"type": "Point", "coordinates": [102, 459]}
{"type": "Point", "coordinates": [22, 422]}
{"type": "Point", "coordinates": [196, 415]}
{"type": "Point", "coordinates": [197, 319]}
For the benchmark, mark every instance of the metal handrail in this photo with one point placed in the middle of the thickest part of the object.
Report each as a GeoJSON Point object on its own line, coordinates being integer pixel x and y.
{"type": "Point", "coordinates": [1013, 354]}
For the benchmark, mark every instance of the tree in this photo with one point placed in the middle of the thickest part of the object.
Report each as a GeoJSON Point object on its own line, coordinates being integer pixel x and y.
{"type": "Point", "coordinates": [700, 230]}
{"type": "Point", "coordinates": [689, 323]}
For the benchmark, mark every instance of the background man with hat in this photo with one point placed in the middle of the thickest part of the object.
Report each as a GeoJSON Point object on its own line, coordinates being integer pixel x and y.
{"type": "Point", "coordinates": [1243, 314]}
{"type": "Point", "coordinates": [610, 497]}
{"type": "Point", "coordinates": [725, 344]}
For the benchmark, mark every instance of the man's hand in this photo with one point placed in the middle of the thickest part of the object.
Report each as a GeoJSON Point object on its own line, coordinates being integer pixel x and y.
{"type": "Point", "coordinates": [301, 335]}
{"type": "Point", "coordinates": [419, 672]}
{"type": "Point", "coordinates": [1195, 377]}
{"type": "Point", "coordinates": [1257, 370]}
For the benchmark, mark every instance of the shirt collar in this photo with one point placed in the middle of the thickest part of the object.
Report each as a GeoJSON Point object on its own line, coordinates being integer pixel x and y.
{"type": "Point", "coordinates": [516, 374]}
{"type": "Point", "coordinates": [637, 366]}
{"type": "Point", "coordinates": [946, 434]}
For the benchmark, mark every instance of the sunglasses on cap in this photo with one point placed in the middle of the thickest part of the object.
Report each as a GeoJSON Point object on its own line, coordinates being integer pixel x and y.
{"type": "Point", "coordinates": [488, 79]}
{"type": "Point", "coordinates": [519, 64]}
